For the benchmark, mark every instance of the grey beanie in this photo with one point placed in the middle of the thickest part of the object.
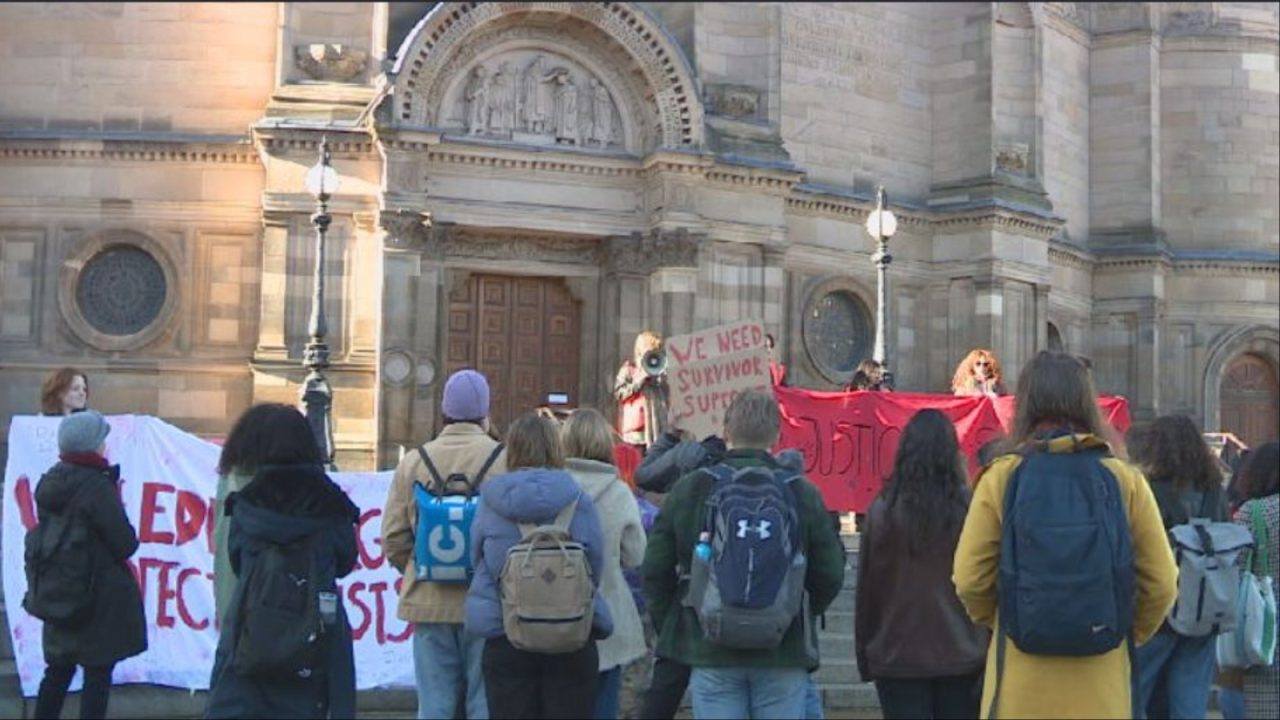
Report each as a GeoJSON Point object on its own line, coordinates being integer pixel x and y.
{"type": "Point", "coordinates": [82, 432]}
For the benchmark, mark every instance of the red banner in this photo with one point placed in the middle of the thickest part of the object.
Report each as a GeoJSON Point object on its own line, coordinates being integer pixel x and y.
{"type": "Point", "coordinates": [849, 439]}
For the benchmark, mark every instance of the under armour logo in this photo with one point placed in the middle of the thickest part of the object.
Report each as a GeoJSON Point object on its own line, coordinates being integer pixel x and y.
{"type": "Point", "coordinates": [761, 529]}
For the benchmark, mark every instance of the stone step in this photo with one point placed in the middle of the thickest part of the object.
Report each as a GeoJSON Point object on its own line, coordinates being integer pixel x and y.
{"type": "Point", "coordinates": [850, 696]}
{"type": "Point", "coordinates": [837, 670]}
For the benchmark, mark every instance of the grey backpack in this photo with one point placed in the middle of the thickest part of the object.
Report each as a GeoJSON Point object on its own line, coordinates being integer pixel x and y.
{"type": "Point", "coordinates": [1208, 577]}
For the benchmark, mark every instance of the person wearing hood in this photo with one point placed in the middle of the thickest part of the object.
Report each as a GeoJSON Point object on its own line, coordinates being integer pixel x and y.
{"type": "Point", "coordinates": [519, 683]}
{"type": "Point", "coordinates": [83, 485]}
{"type": "Point", "coordinates": [282, 505]}
{"type": "Point", "coordinates": [588, 443]}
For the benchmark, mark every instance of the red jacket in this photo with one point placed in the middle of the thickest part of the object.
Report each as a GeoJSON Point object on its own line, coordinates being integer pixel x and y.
{"type": "Point", "coordinates": [631, 403]}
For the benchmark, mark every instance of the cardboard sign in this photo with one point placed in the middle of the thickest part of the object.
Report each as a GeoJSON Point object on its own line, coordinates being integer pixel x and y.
{"type": "Point", "coordinates": [706, 370]}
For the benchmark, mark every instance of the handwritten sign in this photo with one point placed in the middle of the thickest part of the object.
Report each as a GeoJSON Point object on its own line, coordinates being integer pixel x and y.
{"type": "Point", "coordinates": [708, 369]}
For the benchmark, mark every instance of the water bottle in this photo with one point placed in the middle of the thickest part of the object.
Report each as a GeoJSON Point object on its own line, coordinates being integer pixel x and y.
{"type": "Point", "coordinates": [703, 549]}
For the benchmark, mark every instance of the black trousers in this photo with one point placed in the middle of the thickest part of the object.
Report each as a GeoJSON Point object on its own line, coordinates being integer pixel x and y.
{"type": "Point", "coordinates": [957, 696]}
{"type": "Point", "coordinates": [93, 699]}
{"type": "Point", "coordinates": [521, 684]}
{"type": "Point", "coordinates": [670, 679]}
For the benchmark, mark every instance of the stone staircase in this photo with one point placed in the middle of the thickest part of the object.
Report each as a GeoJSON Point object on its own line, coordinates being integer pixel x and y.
{"type": "Point", "coordinates": [838, 679]}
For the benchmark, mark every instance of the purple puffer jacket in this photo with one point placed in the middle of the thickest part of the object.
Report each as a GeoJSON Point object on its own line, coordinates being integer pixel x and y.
{"type": "Point", "coordinates": [530, 496]}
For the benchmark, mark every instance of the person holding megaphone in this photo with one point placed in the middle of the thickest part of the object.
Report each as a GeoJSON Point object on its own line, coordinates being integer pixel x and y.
{"type": "Point", "coordinates": [641, 391]}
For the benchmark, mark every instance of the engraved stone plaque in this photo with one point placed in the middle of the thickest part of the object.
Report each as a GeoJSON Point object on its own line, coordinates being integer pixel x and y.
{"type": "Point", "coordinates": [121, 290]}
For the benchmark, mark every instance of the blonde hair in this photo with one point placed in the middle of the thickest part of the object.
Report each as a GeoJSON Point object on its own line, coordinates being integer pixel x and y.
{"type": "Point", "coordinates": [646, 341]}
{"type": "Point", "coordinates": [586, 434]}
{"type": "Point", "coordinates": [963, 379]}
{"type": "Point", "coordinates": [533, 442]}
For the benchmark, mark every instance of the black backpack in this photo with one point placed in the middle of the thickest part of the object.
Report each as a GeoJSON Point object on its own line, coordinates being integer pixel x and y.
{"type": "Point", "coordinates": [59, 567]}
{"type": "Point", "coordinates": [281, 631]}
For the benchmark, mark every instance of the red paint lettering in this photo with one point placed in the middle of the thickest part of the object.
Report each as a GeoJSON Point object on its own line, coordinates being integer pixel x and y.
{"type": "Point", "coordinates": [408, 627]}
{"type": "Point", "coordinates": [380, 630]}
{"type": "Point", "coordinates": [210, 518]}
{"type": "Point", "coordinates": [26, 502]}
{"type": "Point", "coordinates": [164, 593]}
{"type": "Point", "coordinates": [191, 515]}
{"type": "Point", "coordinates": [150, 509]}
{"type": "Point", "coordinates": [357, 631]}
{"type": "Point", "coordinates": [183, 612]}
{"type": "Point", "coordinates": [366, 560]}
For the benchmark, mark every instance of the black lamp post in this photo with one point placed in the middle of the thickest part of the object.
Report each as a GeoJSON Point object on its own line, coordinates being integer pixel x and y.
{"type": "Point", "coordinates": [317, 394]}
{"type": "Point", "coordinates": [881, 225]}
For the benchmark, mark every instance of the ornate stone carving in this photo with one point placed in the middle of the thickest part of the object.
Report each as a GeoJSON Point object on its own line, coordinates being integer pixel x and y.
{"type": "Point", "coordinates": [740, 102]}
{"type": "Point", "coordinates": [1013, 158]}
{"type": "Point", "coordinates": [465, 244]}
{"type": "Point", "coordinates": [551, 101]}
{"type": "Point", "coordinates": [330, 61]}
{"type": "Point", "coordinates": [121, 290]}
{"type": "Point", "coordinates": [407, 229]}
{"type": "Point", "coordinates": [642, 254]}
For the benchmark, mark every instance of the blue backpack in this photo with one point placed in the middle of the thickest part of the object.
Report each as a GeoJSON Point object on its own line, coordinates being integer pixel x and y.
{"type": "Point", "coordinates": [1066, 583]}
{"type": "Point", "coordinates": [442, 543]}
{"type": "Point", "coordinates": [747, 588]}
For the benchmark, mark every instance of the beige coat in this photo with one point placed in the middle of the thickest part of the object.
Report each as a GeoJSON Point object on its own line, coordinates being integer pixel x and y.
{"type": "Point", "coordinates": [624, 544]}
{"type": "Point", "coordinates": [1049, 686]}
{"type": "Point", "coordinates": [460, 448]}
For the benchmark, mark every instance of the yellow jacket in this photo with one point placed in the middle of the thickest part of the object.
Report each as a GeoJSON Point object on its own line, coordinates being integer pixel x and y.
{"type": "Point", "coordinates": [460, 447]}
{"type": "Point", "coordinates": [1058, 686]}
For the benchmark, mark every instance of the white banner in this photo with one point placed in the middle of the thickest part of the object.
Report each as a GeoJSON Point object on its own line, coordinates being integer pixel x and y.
{"type": "Point", "coordinates": [168, 485]}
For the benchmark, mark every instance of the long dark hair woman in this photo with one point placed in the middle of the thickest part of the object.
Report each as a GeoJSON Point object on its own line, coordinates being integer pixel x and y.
{"type": "Point", "coordinates": [288, 514]}
{"type": "Point", "coordinates": [1058, 430]}
{"type": "Point", "coordinates": [913, 636]}
{"type": "Point", "coordinates": [1175, 672]}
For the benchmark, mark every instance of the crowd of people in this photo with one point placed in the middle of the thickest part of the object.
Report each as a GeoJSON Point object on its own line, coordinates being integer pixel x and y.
{"type": "Point", "coordinates": [543, 581]}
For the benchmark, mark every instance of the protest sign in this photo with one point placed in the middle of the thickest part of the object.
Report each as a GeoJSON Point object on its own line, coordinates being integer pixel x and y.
{"type": "Point", "coordinates": [849, 439]}
{"type": "Point", "coordinates": [708, 368]}
{"type": "Point", "coordinates": [168, 487]}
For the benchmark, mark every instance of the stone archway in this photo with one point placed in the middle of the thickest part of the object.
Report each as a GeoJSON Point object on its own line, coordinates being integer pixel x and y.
{"type": "Point", "coordinates": [617, 46]}
{"type": "Point", "coordinates": [1250, 399]}
{"type": "Point", "coordinates": [1258, 341]}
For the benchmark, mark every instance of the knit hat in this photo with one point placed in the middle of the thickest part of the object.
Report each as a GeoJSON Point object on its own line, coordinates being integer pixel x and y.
{"type": "Point", "coordinates": [466, 396]}
{"type": "Point", "coordinates": [82, 432]}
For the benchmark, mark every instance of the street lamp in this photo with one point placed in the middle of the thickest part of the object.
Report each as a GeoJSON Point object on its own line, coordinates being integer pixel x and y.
{"type": "Point", "coordinates": [317, 394]}
{"type": "Point", "coordinates": [881, 225]}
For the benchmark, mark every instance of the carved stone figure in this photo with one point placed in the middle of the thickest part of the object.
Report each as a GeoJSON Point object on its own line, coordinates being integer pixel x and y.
{"type": "Point", "coordinates": [566, 108]}
{"type": "Point", "coordinates": [535, 97]}
{"type": "Point", "coordinates": [478, 101]}
{"type": "Point", "coordinates": [502, 103]}
{"type": "Point", "coordinates": [601, 113]}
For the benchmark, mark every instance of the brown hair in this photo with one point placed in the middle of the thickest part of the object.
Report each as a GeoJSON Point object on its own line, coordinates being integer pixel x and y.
{"type": "Point", "coordinates": [1056, 387]}
{"type": "Point", "coordinates": [533, 442]}
{"type": "Point", "coordinates": [963, 379]}
{"type": "Point", "coordinates": [1171, 449]}
{"type": "Point", "coordinates": [56, 386]}
{"type": "Point", "coordinates": [868, 376]}
{"type": "Point", "coordinates": [752, 420]}
{"type": "Point", "coordinates": [586, 434]}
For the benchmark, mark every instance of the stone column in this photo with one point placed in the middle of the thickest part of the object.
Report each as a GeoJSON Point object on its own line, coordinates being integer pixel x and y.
{"type": "Point", "coordinates": [275, 279]}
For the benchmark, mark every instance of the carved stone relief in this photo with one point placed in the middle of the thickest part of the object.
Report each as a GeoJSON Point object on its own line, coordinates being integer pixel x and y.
{"type": "Point", "coordinates": [330, 61]}
{"type": "Point", "coordinates": [642, 254]}
{"type": "Point", "coordinates": [526, 248]}
{"type": "Point", "coordinates": [1013, 158]}
{"type": "Point", "coordinates": [536, 98]}
{"type": "Point", "coordinates": [740, 102]}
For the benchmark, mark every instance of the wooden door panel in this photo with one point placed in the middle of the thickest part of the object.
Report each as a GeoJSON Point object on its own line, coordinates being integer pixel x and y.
{"type": "Point", "coordinates": [1250, 400]}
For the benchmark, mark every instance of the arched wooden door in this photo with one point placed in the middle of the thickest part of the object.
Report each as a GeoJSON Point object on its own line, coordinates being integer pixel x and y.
{"type": "Point", "coordinates": [523, 333]}
{"type": "Point", "coordinates": [1250, 400]}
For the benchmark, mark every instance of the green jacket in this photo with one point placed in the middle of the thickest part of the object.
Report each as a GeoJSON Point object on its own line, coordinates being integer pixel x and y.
{"type": "Point", "coordinates": [671, 547]}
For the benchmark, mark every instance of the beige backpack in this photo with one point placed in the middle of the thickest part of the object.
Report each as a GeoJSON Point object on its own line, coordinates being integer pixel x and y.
{"type": "Point", "coordinates": [547, 593]}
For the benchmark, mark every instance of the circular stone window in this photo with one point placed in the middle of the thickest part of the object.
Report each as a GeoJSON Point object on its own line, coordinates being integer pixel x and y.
{"type": "Point", "coordinates": [837, 333]}
{"type": "Point", "coordinates": [121, 290]}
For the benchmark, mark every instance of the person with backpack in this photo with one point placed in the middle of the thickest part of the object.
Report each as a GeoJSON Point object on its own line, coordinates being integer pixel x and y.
{"type": "Point", "coordinates": [1063, 556]}
{"type": "Point", "coordinates": [1179, 659]}
{"type": "Point", "coordinates": [588, 445]}
{"type": "Point", "coordinates": [1260, 513]}
{"type": "Point", "coordinates": [911, 633]}
{"type": "Point", "coordinates": [284, 649]}
{"type": "Point", "coordinates": [740, 562]}
{"type": "Point", "coordinates": [426, 524]}
{"type": "Point", "coordinates": [538, 553]}
{"type": "Point", "coordinates": [78, 582]}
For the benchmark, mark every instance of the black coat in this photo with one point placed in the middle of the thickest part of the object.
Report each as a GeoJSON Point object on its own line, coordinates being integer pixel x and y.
{"type": "Point", "coordinates": [281, 505]}
{"type": "Point", "coordinates": [117, 628]}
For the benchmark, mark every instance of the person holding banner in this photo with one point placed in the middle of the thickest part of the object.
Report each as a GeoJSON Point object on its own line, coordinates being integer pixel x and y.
{"type": "Point", "coordinates": [777, 371]}
{"type": "Point", "coordinates": [641, 391]}
{"type": "Point", "coordinates": [979, 374]}
{"type": "Point", "coordinates": [66, 391]}
{"type": "Point", "coordinates": [82, 487]}
{"type": "Point", "coordinates": [288, 517]}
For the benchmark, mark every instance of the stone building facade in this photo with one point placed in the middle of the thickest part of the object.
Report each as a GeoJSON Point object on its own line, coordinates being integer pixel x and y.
{"type": "Point", "coordinates": [525, 186]}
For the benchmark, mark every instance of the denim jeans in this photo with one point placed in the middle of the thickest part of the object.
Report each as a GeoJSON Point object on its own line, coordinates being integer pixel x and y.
{"type": "Point", "coordinates": [446, 660]}
{"type": "Point", "coordinates": [812, 700]}
{"type": "Point", "coordinates": [1185, 664]}
{"type": "Point", "coordinates": [610, 684]}
{"type": "Point", "coordinates": [754, 693]}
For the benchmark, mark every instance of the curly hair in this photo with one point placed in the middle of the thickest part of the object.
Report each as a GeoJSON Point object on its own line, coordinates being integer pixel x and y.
{"type": "Point", "coordinates": [929, 486]}
{"type": "Point", "coordinates": [963, 382]}
{"type": "Point", "coordinates": [1260, 473]}
{"type": "Point", "coordinates": [268, 434]}
{"type": "Point", "coordinates": [1171, 449]}
{"type": "Point", "coordinates": [56, 386]}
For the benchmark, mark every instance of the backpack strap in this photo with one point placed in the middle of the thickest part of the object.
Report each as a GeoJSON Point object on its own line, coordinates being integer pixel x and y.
{"type": "Point", "coordinates": [484, 469]}
{"type": "Point", "coordinates": [437, 482]}
{"type": "Point", "coordinates": [1261, 541]}
{"type": "Point", "coordinates": [561, 521]}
